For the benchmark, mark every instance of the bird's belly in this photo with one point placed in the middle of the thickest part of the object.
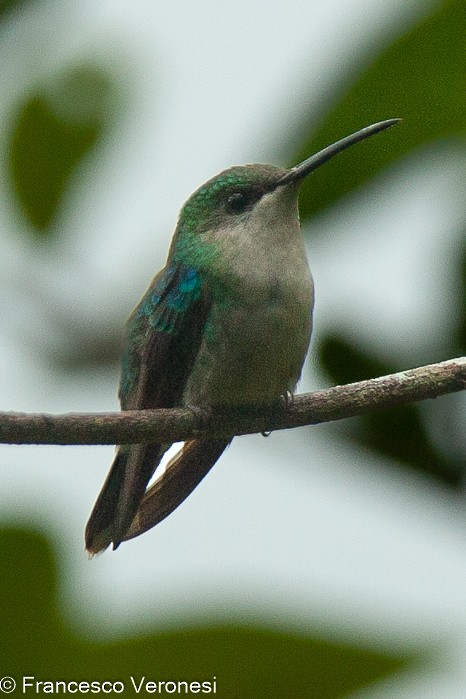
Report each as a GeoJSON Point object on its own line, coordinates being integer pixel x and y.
{"type": "Point", "coordinates": [251, 353]}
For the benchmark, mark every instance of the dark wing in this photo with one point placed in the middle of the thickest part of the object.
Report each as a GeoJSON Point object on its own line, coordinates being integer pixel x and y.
{"type": "Point", "coordinates": [162, 340]}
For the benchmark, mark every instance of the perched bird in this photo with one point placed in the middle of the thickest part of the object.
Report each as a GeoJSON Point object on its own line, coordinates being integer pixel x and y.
{"type": "Point", "coordinates": [227, 321]}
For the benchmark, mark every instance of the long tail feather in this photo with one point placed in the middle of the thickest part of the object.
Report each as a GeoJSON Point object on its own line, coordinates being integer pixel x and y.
{"type": "Point", "coordinates": [121, 495]}
{"type": "Point", "coordinates": [182, 475]}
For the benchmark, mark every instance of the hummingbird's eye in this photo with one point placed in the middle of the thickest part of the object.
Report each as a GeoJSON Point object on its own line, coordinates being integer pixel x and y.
{"type": "Point", "coordinates": [238, 202]}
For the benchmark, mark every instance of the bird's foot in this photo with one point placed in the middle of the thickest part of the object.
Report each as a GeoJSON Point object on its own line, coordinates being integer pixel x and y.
{"type": "Point", "coordinates": [201, 414]}
{"type": "Point", "coordinates": [288, 398]}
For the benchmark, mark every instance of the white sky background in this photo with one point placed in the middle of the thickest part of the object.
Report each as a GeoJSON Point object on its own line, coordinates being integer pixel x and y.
{"type": "Point", "coordinates": [293, 531]}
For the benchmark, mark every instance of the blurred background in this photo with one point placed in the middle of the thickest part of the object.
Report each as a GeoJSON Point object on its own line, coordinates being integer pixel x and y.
{"type": "Point", "coordinates": [324, 562]}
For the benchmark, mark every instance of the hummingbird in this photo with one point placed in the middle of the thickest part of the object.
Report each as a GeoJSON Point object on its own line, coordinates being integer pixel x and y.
{"type": "Point", "coordinates": [227, 321]}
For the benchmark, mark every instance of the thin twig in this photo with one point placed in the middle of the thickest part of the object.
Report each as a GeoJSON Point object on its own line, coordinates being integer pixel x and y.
{"type": "Point", "coordinates": [178, 424]}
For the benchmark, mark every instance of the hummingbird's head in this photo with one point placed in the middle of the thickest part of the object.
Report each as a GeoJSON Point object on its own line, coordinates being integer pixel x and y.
{"type": "Point", "coordinates": [227, 208]}
{"type": "Point", "coordinates": [229, 196]}
{"type": "Point", "coordinates": [249, 205]}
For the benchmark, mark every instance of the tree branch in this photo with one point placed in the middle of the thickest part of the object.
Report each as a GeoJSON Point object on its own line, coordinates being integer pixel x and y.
{"type": "Point", "coordinates": [178, 424]}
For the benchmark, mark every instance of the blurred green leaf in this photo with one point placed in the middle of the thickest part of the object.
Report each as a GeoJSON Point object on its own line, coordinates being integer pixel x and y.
{"type": "Point", "coordinates": [246, 662]}
{"type": "Point", "coordinates": [420, 77]}
{"type": "Point", "coordinates": [9, 6]}
{"type": "Point", "coordinates": [398, 433]}
{"type": "Point", "coordinates": [53, 130]}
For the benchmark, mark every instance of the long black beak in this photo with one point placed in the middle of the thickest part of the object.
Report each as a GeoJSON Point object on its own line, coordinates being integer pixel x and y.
{"type": "Point", "coordinates": [307, 166]}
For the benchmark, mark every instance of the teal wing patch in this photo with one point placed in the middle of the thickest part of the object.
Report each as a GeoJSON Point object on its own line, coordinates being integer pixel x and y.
{"type": "Point", "coordinates": [162, 339]}
{"type": "Point", "coordinates": [173, 294]}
